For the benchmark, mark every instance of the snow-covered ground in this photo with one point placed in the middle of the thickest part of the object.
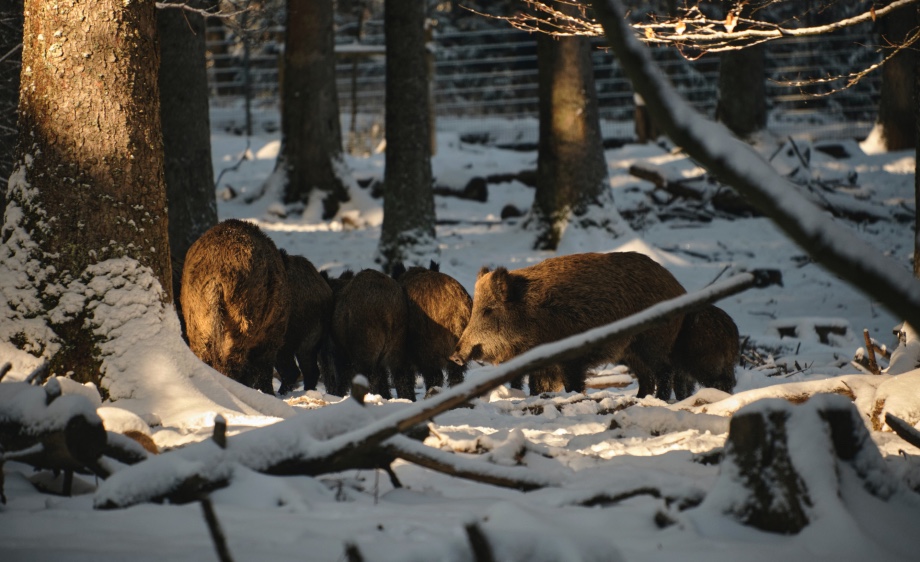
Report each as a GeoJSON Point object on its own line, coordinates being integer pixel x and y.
{"type": "Point", "coordinates": [799, 339]}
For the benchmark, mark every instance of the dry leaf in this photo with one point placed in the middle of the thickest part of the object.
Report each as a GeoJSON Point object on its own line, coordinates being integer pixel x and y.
{"type": "Point", "coordinates": [649, 34]}
{"type": "Point", "coordinates": [730, 21]}
{"type": "Point", "coordinates": [872, 12]}
{"type": "Point", "coordinates": [680, 27]}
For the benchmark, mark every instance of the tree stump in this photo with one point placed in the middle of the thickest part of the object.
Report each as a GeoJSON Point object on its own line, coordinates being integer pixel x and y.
{"type": "Point", "coordinates": [768, 477]}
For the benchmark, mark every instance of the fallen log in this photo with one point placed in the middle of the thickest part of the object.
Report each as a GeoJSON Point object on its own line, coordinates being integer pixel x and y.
{"type": "Point", "coordinates": [40, 427]}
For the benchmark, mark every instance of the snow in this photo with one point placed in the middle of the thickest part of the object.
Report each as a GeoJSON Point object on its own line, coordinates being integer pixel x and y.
{"type": "Point", "coordinates": [600, 456]}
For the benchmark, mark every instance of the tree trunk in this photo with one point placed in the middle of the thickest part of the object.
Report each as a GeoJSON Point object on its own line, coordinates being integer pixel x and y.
{"type": "Point", "coordinates": [571, 169]}
{"type": "Point", "coordinates": [311, 153]}
{"type": "Point", "coordinates": [186, 131]}
{"type": "Point", "coordinates": [916, 115]}
{"type": "Point", "coordinates": [10, 65]}
{"type": "Point", "coordinates": [894, 127]}
{"type": "Point", "coordinates": [742, 103]}
{"type": "Point", "coordinates": [89, 187]}
{"type": "Point", "coordinates": [408, 206]}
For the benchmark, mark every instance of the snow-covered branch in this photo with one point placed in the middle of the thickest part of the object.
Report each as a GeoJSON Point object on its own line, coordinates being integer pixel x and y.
{"type": "Point", "coordinates": [738, 165]}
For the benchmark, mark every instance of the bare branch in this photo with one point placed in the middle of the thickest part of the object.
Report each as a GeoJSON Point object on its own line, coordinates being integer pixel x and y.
{"type": "Point", "coordinates": [517, 478]}
{"type": "Point", "coordinates": [853, 78]}
{"type": "Point", "coordinates": [205, 12]}
{"type": "Point", "coordinates": [693, 29]}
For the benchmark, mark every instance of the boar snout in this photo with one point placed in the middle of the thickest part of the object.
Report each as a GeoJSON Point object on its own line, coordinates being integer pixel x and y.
{"type": "Point", "coordinates": [463, 354]}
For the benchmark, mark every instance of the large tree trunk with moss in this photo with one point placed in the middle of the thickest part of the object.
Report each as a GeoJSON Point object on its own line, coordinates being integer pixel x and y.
{"type": "Point", "coordinates": [408, 204]}
{"type": "Point", "coordinates": [10, 65]}
{"type": "Point", "coordinates": [89, 190]}
{"type": "Point", "coordinates": [311, 151]}
{"type": "Point", "coordinates": [186, 130]}
{"type": "Point", "coordinates": [571, 169]}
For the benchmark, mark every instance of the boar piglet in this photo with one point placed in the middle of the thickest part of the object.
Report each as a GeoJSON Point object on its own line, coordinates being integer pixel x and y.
{"type": "Point", "coordinates": [235, 302]}
{"type": "Point", "coordinates": [706, 351]}
{"type": "Point", "coordinates": [309, 323]}
{"type": "Point", "coordinates": [514, 311]}
{"type": "Point", "coordinates": [439, 309]}
{"type": "Point", "coordinates": [369, 334]}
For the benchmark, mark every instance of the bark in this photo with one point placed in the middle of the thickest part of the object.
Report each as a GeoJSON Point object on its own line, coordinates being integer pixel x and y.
{"type": "Point", "coordinates": [311, 153]}
{"type": "Point", "coordinates": [90, 154]}
{"type": "Point", "coordinates": [916, 116]}
{"type": "Point", "coordinates": [186, 131]}
{"type": "Point", "coordinates": [408, 202]}
{"type": "Point", "coordinates": [10, 64]}
{"type": "Point", "coordinates": [571, 169]}
{"type": "Point", "coordinates": [742, 103]}
{"type": "Point", "coordinates": [895, 125]}
{"type": "Point", "coordinates": [737, 165]}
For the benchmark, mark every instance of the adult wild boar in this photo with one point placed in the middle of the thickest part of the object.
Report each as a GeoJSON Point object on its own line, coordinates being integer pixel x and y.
{"type": "Point", "coordinates": [514, 311]}
{"type": "Point", "coordinates": [309, 323]}
{"type": "Point", "coordinates": [706, 351]}
{"type": "Point", "coordinates": [235, 302]}
{"type": "Point", "coordinates": [439, 310]}
{"type": "Point", "coordinates": [369, 334]}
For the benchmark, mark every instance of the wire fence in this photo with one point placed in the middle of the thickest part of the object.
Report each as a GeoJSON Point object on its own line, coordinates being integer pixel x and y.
{"type": "Point", "coordinates": [485, 83]}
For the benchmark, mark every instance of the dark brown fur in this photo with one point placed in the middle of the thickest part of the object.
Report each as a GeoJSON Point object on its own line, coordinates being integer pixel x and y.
{"type": "Point", "coordinates": [439, 310]}
{"type": "Point", "coordinates": [706, 351]}
{"type": "Point", "coordinates": [369, 332]}
{"type": "Point", "coordinates": [235, 302]}
{"type": "Point", "coordinates": [514, 311]}
{"type": "Point", "coordinates": [309, 322]}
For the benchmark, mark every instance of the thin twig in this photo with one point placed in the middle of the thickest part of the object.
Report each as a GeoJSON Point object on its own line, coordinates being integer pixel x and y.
{"type": "Point", "coordinates": [217, 534]}
{"type": "Point", "coordinates": [208, 13]}
{"type": "Point", "coordinates": [10, 53]}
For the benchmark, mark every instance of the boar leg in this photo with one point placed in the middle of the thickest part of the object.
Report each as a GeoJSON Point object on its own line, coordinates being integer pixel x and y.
{"type": "Point", "coordinates": [684, 385]}
{"type": "Point", "coordinates": [344, 373]}
{"type": "Point", "coordinates": [404, 381]}
{"type": "Point", "coordinates": [378, 380]}
{"type": "Point", "coordinates": [433, 376]}
{"type": "Point", "coordinates": [289, 372]}
{"type": "Point", "coordinates": [550, 379]}
{"type": "Point", "coordinates": [574, 376]}
{"type": "Point", "coordinates": [309, 365]}
{"type": "Point", "coordinates": [455, 373]}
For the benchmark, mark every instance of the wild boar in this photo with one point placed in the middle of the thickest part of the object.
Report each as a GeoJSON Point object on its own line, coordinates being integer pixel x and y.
{"type": "Point", "coordinates": [514, 311]}
{"type": "Point", "coordinates": [706, 351]}
{"type": "Point", "coordinates": [235, 302]}
{"type": "Point", "coordinates": [439, 310]}
{"type": "Point", "coordinates": [369, 334]}
{"type": "Point", "coordinates": [309, 322]}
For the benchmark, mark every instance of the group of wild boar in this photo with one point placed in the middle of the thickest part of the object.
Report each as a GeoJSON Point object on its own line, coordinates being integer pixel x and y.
{"type": "Point", "coordinates": [250, 309]}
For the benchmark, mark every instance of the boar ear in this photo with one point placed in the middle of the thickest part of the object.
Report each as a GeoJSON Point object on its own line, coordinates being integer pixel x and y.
{"type": "Point", "coordinates": [482, 272]}
{"type": "Point", "coordinates": [399, 269]}
{"type": "Point", "coordinates": [500, 282]}
{"type": "Point", "coordinates": [434, 266]}
{"type": "Point", "coordinates": [507, 286]}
